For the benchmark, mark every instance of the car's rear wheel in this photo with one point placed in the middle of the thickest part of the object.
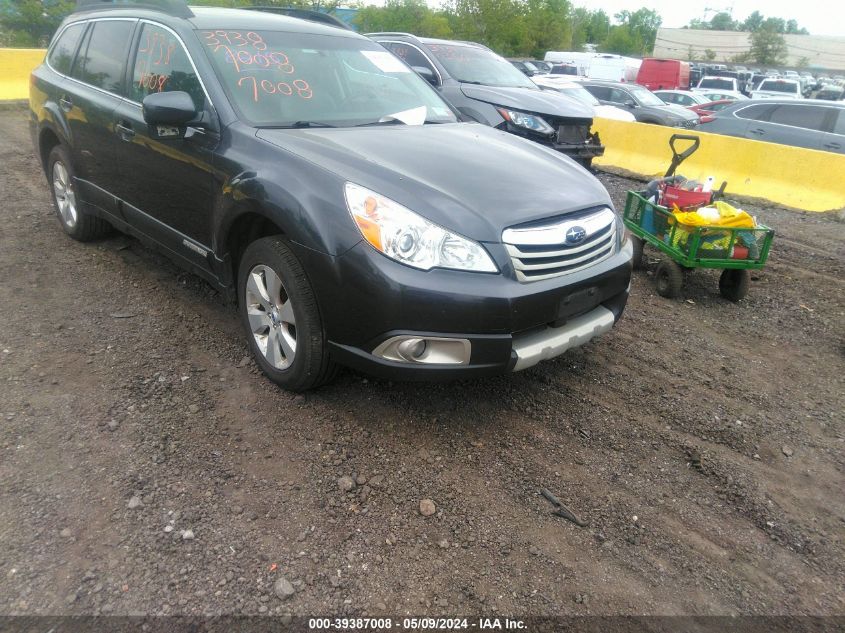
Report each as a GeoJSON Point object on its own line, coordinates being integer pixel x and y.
{"type": "Point", "coordinates": [77, 223]}
{"type": "Point", "coordinates": [279, 312]}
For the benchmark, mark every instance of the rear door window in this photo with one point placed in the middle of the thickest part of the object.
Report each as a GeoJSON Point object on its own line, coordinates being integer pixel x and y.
{"type": "Point", "coordinates": [755, 112]}
{"type": "Point", "coordinates": [602, 93]}
{"type": "Point", "coordinates": [101, 59]}
{"type": "Point", "coordinates": [161, 65]}
{"type": "Point", "coordinates": [61, 55]}
{"type": "Point", "coordinates": [807, 117]}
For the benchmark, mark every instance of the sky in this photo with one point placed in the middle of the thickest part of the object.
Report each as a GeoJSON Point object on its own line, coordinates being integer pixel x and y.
{"type": "Point", "coordinates": [819, 17]}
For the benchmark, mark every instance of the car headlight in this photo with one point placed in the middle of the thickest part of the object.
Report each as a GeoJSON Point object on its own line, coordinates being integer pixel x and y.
{"type": "Point", "coordinates": [410, 239]}
{"type": "Point", "coordinates": [528, 121]}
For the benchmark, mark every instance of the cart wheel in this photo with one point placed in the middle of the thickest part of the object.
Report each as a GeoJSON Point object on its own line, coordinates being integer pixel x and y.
{"type": "Point", "coordinates": [733, 284]}
{"type": "Point", "coordinates": [669, 278]}
{"type": "Point", "coordinates": [638, 244]}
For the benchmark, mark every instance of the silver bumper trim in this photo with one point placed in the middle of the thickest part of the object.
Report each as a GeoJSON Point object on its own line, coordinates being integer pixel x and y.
{"type": "Point", "coordinates": [550, 342]}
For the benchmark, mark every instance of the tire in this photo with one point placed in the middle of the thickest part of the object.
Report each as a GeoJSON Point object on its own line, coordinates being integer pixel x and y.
{"type": "Point", "coordinates": [586, 163]}
{"type": "Point", "coordinates": [279, 312]}
{"type": "Point", "coordinates": [669, 279]}
{"type": "Point", "coordinates": [78, 224]}
{"type": "Point", "coordinates": [637, 244]}
{"type": "Point", "coordinates": [733, 284]}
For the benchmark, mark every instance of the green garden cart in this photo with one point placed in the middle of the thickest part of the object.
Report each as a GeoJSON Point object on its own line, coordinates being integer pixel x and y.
{"type": "Point", "coordinates": [734, 250]}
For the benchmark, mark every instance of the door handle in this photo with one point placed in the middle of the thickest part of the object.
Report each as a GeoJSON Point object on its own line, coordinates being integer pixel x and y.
{"type": "Point", "coordinates": [66, 104]}
{"type": "Point", "coordinates": [758, 131]}
{"type": "Point", "coordinates": [833, 146]}
{"type": "Point", "coordinates": [124, 130]}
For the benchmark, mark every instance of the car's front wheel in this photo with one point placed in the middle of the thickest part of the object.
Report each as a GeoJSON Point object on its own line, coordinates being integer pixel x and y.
{"type": "Point", "coordinates": [279, 312]}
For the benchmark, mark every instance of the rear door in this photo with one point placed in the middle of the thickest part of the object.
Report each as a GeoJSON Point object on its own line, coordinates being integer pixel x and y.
{"type": "Point", "coordinates": [89, 103]}
{"type": "Point", "coordinates": [799, 125]}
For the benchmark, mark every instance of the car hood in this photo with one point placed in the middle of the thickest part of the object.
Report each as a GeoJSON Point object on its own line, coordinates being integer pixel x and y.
{"type": "Point", "coordinates": [532, 100]}
{"type": "Point", "coordinates": [467, 177]}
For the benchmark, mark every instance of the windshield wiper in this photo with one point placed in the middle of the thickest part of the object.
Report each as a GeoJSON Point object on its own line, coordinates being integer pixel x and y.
{"type": "Point", "coordinates": [385, 122]}
{"type": "Point", "coordinates": [297, 124]}
{"type": "Point", "coordinates": [467, 81]}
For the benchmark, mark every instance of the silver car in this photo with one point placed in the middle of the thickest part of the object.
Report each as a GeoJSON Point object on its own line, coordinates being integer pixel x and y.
{"type": "Point", "coordinates": [805, 123]}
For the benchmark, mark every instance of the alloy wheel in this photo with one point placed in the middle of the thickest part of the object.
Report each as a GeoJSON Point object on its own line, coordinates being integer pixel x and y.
{"type": "Point", "coordinates": [271, 317]}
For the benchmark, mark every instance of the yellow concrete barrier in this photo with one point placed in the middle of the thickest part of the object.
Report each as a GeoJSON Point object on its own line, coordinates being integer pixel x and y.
{"type": "Point", "coordinates": [801, 178]}
{"type": "Point", "coordinates": [15, 66]}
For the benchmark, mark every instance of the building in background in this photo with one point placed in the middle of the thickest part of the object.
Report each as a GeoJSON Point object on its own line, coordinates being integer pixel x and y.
{"type": "Point", "coordinates": [817, 51]}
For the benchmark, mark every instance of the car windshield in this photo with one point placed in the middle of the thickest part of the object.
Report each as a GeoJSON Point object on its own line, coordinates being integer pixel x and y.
{"type": "Point", "coordinates": [787, 87]}
{"type": "Point", "coordinates": [474, 65]}
{"type": "Point", "coordinates": [644, 97]}
{"type": "Point", "coordinates": [715, 82]}
{"type": "Point", "coordinates": [302, 79]}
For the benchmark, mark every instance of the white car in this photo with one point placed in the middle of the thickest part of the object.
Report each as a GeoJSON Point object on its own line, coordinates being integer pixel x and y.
{"type": "Point", "coordinates": [725, 84]}
{"type": "Point", "coordinates": [723, 95]}
{"type": "Point", "coordinates": [778, 89]}
{"type": "Point", "coordinates": [568, 88]}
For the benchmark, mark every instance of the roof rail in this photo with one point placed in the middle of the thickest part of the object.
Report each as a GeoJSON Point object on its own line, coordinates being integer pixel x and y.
{"type": "Point", "coordinates": [391, 33]}
{"type": "Point", "coordinates": [177, 8]}
{"type": "Point", "coordinates": [303, 14]}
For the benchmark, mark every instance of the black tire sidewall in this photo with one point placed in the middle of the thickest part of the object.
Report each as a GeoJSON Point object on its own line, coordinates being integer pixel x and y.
{"type": "Point", "coordinates": [310, 339]}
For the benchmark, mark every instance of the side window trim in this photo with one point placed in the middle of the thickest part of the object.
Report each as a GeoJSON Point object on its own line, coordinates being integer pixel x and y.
{"type": "Point", "coordinates": [421, 52]}
{"type": "Point", "coordinates": [85, 39]}
{"type": "Point", "coordinates": [133, 56]}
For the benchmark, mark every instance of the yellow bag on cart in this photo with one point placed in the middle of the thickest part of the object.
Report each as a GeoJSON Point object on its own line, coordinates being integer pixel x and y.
{"type": "Point", "coordinates": [725, 215]}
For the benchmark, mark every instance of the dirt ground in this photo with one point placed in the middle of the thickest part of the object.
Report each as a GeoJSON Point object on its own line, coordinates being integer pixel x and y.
{"type": "Point", "coordinates": [146, 467]}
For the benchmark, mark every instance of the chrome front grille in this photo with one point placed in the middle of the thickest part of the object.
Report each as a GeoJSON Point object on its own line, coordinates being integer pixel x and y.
{"type": "Point", "coordinates": [542, 251]}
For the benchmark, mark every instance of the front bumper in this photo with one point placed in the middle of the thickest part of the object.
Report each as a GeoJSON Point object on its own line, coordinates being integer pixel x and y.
{"type": "Point", "coordinates": [367, 299]}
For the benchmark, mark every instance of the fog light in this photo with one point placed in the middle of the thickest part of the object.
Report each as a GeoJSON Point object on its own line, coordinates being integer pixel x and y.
{"type": "Point", "coordinates": [425, 350]}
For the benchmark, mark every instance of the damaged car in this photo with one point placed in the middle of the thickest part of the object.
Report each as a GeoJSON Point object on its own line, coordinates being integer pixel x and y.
{"type": "Point", "coordinates": [485, 87]}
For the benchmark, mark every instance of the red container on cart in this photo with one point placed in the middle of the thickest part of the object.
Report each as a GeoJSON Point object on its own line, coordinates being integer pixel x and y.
{"type": "Point", "coordinates": [684, 199]}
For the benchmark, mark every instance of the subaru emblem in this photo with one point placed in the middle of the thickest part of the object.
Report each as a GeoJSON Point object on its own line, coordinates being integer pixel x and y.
{"type": "Point", "coordinates": [576, 235]}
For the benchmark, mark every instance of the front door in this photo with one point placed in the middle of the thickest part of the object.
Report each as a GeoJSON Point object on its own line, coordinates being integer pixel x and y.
{"type": "Point", "coordinates": [167, 189]}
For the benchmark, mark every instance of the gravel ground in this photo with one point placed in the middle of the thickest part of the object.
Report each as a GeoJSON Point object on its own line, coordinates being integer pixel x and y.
{"type": "Point", "coordinates": [146, 467]}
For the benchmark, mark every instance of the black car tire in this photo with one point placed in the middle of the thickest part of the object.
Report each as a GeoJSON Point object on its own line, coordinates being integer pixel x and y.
{"type": "Point", "coordinates": [637, 244]}
{"type": "Point", "coordinates": [311, 365]}
{"type": "Point", "coordinates": [78, 224]}
{"type": "Point", "coordinates": [669, 278]}
{"type": "Point", "coordinates": [733, 284]}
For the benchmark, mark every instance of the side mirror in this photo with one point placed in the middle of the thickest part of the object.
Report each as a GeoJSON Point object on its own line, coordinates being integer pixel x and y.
{"type": "Point", "coordinates": [630, 103]}
{"type": "Point", "coordinates": [168, 113]}
{"type": "Point", "coordinates": [426, 73]}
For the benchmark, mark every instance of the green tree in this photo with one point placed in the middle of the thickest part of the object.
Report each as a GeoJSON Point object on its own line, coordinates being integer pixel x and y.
{"type": "Point", "coordinates": [31, 23]}
{"type": "Point", "coordinates": [709, 54]}
{"type": "Point", "coordinates": [753, 22]}
{"type": "Point", "coordinates": [768, 47]}
{"type": "Point", "coordinates": [723, 22]}
{"type": "Point", "coordinates": [500, 24]}
{"type": "Point", "coordinates": [636, 33]}
{"type": "Point", "coordinates": [412, 16]}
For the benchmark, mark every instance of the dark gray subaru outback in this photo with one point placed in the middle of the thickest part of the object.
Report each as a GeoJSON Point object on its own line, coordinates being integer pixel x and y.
{"type": "Point", "coordinates": [314, 177]}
